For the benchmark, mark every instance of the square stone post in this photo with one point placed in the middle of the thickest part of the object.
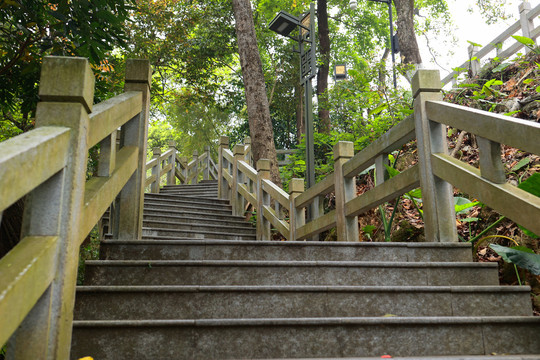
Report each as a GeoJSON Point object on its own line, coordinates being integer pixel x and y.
{"type": "Point", "coordinates": [206, 174]}
{"type": "Point", "coordinates": [346, 226]}
{"type": "Point", "coordinates": [263, 199]}
{"type": "Point", "coordinates": [184, 161]}
{"type": "Point", "coordinates": [172, 160]}
{"type": "Point", "coordinates": [527, 25]}
{"type": "Point", "coordinates": [54, 209]}
{"type": "Point", "coordinates": [135, 133]}
{"type": "Point", "coordinates": [297, 218]}
{"type": "Point", "coordinates": [247, 144]}
{"type": "Point", "coordinates": [195, 168]}
{"type": "Point", "coordinates": [437, 195]}
{"type": "Point", "coordinates": [475, 64]}
{"type": "Point", "coordinates": [238, 178]}
{"type": "Point", "coordinates": [156, 170]}
{"type": "Point", "coordinates": [223, 185]}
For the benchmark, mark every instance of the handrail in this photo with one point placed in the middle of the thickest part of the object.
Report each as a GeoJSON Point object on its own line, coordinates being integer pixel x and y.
{"type": "Point", "coordinates": [434, 173]}
{"type": "Point", "coordinates": [527, 15]}
{"type": "Point", "coordinates": [61, 207]}
{"type": "Point", "coordinates": [111, 114]}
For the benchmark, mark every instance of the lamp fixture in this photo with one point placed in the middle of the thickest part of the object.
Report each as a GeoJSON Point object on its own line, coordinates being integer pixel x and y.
{"type": "Point", "coordinates": [284, 23]}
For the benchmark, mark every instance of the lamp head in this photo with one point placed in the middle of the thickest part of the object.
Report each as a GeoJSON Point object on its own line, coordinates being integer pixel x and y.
{"type": "Point", "coordinates": [353, 4]}
{"type": "Point", "coordinates": [284, 23]}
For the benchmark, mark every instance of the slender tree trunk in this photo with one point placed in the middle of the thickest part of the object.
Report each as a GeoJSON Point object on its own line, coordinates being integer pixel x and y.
{"type": "Point", "coordinates": [324, 68]}
{"type": "Point", "coordinates": [260, 124]}
{"type": "Point", "coordinates": [382, 70]}
{"type": "Point", "coordinates": [410, 54]}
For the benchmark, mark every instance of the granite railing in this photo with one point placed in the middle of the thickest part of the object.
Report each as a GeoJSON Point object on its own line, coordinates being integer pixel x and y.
{"type": "Point", "coordinates": [173, 166]}
{"type": "Point", "coordinates": [435, 173]}
{"type": "Point", "coordinates": [528, 29]}
{"type": "Point", "coordinates": [48, 165]}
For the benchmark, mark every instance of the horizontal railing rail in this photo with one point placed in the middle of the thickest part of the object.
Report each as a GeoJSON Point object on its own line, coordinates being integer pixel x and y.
{"type": "Point", "coordinates": [528, 29]}
{"type": "Point", "coordinates": [435, 172]}
{"type": "Point", "coordinates": [48, 165]}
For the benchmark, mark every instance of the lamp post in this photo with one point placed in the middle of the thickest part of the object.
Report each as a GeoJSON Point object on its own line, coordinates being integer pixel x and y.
{"type": "Point", "coordinates": [354, 3]}
{"type": "Point", "coordinates": [283, 24]}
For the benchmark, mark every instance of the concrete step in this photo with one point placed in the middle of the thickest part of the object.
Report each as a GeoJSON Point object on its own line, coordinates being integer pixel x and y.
{"type": "Point", "coordinates": [172, 234]}
{"type": "Point", "coordinates": [156, 212]}
{"type": "Point", "coordinates": [222, 302]}
{"type": "Point", "coordinates": [173, 197]}
{"type": "Point", "coordinates": [172, 228]}
{"type": "Point", "coordinates": [305, 337]}
{"type": "Point", "coordinates": [262, 273]}
{"type": "Point", "coordinates": [194, 194]}
{"type": "Point", "coordinates": [194, 209]}
{"type": "Point", "coordinates": [284, 251]}
{"type": "Point", "coordinates": [216, 221]}
{"type": "Point", "coordinates": [185, 200]}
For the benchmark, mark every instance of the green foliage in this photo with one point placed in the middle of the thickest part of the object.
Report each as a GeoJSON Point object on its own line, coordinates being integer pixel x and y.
{"type": "Point", "coordinates": [32, 29]}
{"type": "Point", "coordinates": [520, 256]}
{"type": "Point", "coordinates": [528, 42]}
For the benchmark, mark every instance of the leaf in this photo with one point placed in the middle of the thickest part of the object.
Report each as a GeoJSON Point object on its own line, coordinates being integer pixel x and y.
{"type": "Point", "coordinates": [524, 40]}
{"type": "Point", "coordinates": [474, 44]}
{"type": "Point", "coordinates": [529, 233]}
{"type": "Point", "coordinates": [528, 81]}
{"type": "Point", "coordinates": [524, 259]}
{"type": "Point", "coordinates": [461, 204]}
{"type": "Point", "coordinates": [416, 193]}
{"type": "Point", "coordinates": [538, 89]}
{"type": "Point", "coordinates": [391, 171]}
{"type": "Point", "coordinates": [521, 164]}
{"type": "Point", "coordinates": [501, 67]}
{"type": "Point", "coordinates": [470, 219]}
{"type": "Point", "coordinates": [532, 184]}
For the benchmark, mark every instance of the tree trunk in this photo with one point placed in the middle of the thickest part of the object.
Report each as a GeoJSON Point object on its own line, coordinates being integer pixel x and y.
{"type": "Point", "coordinates": [324, 68]}
{"type": "Point", "coordinates": [260, 124]}
{"type": "Point", "coordinates": [410, 54]}
{"type": "Point", "coordinates": [382, 70]}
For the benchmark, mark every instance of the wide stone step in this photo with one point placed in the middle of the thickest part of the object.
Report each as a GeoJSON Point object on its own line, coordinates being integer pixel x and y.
{"type": "Point", "coordinates": [305, 337]}
{"type": "Point", "coordinates": [207, 272]}
{"type": "Point", "coordinates": [173, 197]}
{"type": "Point", "coordinates": [206, 302]}
{"type": "Point", "coordinates": [156, 212]}
{"type": "Point", "coordinates": [240, 234]}
{"type": "Point", "coordinates": [193, 208]}
{"type": "Point", "coordinates": [185, 200]}
{"type": "Point", "coordinates": [284, 251]}
{"type": "Point", "coordinates": [172, 228]}
{"type": "Point", "coordinates": [216, 221]}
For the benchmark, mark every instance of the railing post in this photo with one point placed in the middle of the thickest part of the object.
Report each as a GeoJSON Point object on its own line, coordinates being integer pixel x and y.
{"type": "Point", "coordinates": [475, 64]}
{"type": "Point", "coordinates": [184, 160]}
{"type": "Point", "coordinates": [135, 133]}
{"type": "Point", "coordinates": [297, 218]}
{"type": "Point", "coordinates": [195, 167]}
{"type": "Point", "coordinates": [172, 160]}
{"type": "Point", "coordinates": [247, 143]}
{"type": "Point", "coordinates": [346, 226]}
{"type": "Point", "coordinates": [54, 209]}
{"type": "Point", "coordinates": [238, 178]}
{"type": "Point", "coordinates": [491, 166]}
{"type": "Point", "coordinates": [263, 199]}
{"type": "Point", "coordinates": [156, 170]}
{"type": "Point", "coordinates": [526, 24]}
{"type": "Point", "coordinates": [206, 175]}
{"type": "Point", "coordinates": [437, 195]}
{"type": "Point", "coordinates": [223, 185]}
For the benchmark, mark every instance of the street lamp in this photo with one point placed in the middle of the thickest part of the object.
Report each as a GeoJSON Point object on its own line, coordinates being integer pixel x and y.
{"type": "Point", "coordinates": [340, 72]}
{"type": "Point", "coordinates": [283, 24]}
{"type": "Point", "coordinates": [393, 46]}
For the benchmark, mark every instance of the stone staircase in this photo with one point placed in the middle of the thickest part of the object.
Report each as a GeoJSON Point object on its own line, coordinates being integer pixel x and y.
{"type": "Point", "coordinates": [197, 286]}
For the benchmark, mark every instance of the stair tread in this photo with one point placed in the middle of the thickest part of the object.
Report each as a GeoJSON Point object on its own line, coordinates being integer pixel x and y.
{"type": "Point", "coordinates": [302, 288]}
{"type": "Point", "coordinates": [377, 321]}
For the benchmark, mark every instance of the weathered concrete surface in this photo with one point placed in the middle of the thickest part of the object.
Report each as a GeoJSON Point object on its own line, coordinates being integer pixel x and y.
{"type": "Point", "coordinates": [229, 302]}
{"type": "Point", "coordinates": [286, 338]}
